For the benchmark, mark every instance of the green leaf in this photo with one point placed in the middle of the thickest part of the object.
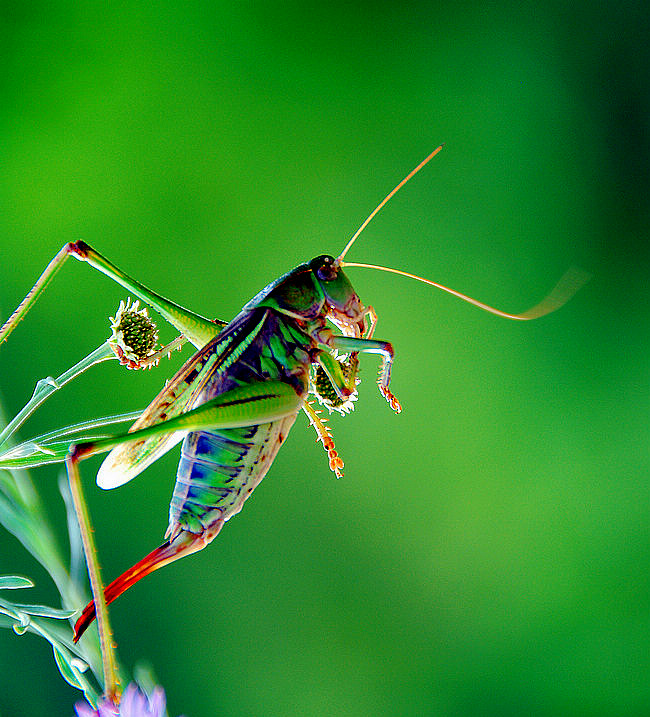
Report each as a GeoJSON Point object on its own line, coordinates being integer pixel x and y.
{"type": "Point", "coordinates": [32, 455]}
{"type": "Point", "coordinates": [12, 614]}
{"type": "Point", "coordinates": [68, 671]}
{"type": "Point", "coordinates": [9, 488]}
{"type": "Point", "coordinates": [69, 659]}
{"type": "Point", "coordinates": [13, 582]}
{"type": "Point", "coordinates": [6, 608]}
{"type": "Point", "coordinates": [46, 611]}
{"type": "Point", "coordinates": [53, 447]}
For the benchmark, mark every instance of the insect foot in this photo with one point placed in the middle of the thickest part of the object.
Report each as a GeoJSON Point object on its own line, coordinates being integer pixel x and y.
{"type": "Point", "coordinates": [393, 402]}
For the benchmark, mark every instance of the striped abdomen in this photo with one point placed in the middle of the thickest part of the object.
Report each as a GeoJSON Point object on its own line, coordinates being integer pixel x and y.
{"type": "Point", "coordinates": [219, 470]}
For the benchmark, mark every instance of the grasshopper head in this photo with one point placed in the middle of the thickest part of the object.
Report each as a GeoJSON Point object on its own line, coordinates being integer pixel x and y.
{"type": "Point", "coordinates": [344, 308]}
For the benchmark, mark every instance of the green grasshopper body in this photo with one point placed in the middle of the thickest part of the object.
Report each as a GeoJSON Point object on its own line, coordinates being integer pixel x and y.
{"type": "Point", "coordinates": [272, 343]}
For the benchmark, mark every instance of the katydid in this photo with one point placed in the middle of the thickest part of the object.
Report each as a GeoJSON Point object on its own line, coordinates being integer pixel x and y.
{"type": "Point", "coordinates": [233, 403]}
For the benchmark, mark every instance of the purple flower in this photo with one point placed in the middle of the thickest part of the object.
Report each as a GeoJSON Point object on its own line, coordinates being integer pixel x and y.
{"type": "Point", "coordinates": [134, 703]}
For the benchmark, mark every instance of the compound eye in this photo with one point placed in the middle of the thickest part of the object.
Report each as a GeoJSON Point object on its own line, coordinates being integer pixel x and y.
{"type": "Point", "coordinates": [327, 273]}
{"type": "Point", "coordinates": [327, 270]}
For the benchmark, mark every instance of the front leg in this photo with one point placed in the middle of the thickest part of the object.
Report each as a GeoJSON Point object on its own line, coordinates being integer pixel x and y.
{"type": "Point", "coordinates": [350, 344]}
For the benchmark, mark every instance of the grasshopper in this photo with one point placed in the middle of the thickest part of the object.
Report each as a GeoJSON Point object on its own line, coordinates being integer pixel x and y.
{"type": "Point", "coordinates": [234, 401]}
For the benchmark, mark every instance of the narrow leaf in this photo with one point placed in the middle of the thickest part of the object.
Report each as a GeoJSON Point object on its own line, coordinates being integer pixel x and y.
{"type": "Point", "coordinates": [9, 488]}
{"type": "Point", "coordinates": [28, 455]}
{"type": "Point", "coordinates": [5, 621]}
{"type": "Point", "coordinates": [66, 668]}
{"type": "Point", "coordinates": [13, 582]}
{"type": "Point", "coordinates": [6, 608]}
{"type": "Point", "coordinates": [46, 611]}
{"type": "Point", "coordinates": [79, 428]}
{"type": "Point", "coordinates": [52, 447]}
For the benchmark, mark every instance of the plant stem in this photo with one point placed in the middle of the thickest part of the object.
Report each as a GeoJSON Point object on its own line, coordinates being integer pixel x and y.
{"type": "Point", "coordinates": [46, 386]}
{"type": "Point", "coordinates": [105, 634]}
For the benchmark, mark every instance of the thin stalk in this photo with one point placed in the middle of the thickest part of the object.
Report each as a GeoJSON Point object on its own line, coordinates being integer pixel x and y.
{"type": "Point", "coordinates": [106, 645]}
{"type": "Point", "coordinates": [47, 386]}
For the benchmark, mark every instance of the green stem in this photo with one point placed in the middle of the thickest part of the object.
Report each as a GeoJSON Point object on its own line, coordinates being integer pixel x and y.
{"type": "Point", "coordinates": [106, 645]}
{"type": "Point", "coordinates": [47, 386]}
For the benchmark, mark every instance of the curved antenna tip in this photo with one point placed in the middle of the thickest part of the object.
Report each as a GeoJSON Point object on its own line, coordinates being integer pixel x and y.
{"type": "Point", "coordinates": [569, 284]}
{"type": "Point", "coordinates": [573, 280]}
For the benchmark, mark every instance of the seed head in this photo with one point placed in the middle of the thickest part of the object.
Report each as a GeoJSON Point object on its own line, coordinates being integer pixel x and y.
{"type": "Point", "coordinates": [325, 392]}
{"type": "Point", "coordinates": [134, 334]}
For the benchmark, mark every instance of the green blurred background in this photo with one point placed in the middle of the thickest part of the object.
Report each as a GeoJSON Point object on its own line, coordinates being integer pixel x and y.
{"type": "Point", "coordinates": [487, 551]}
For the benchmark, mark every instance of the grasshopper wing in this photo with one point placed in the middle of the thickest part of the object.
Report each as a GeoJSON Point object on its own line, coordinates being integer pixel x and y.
{"type": "Point", "coordinates": [128, 460]}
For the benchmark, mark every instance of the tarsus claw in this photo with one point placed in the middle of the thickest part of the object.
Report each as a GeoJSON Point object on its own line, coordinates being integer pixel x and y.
{"type": "Point", "coordinates": [393, 402]}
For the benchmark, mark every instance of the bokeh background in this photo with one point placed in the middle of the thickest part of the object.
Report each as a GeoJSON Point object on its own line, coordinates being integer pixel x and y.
{"type": "Point", "coordinates": [487, 551]}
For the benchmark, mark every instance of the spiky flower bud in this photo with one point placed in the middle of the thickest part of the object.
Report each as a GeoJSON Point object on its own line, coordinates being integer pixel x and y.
{"type": "Point", "coordinates": [325, 391]}
{"type": "Point", "coordinates": [134, 334]}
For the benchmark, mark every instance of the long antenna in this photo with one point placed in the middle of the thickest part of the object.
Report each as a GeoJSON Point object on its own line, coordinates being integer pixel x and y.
{"type": "Point", "coordinates": [339, 258]}
{"type": "Point", "coordinates": [568, 285]}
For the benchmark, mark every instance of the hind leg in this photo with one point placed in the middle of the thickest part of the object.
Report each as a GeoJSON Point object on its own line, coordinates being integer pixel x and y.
{"type": "Point", "coordinates": [246, 405]}
{"type": "Point", "coordinates": [182, 544]}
